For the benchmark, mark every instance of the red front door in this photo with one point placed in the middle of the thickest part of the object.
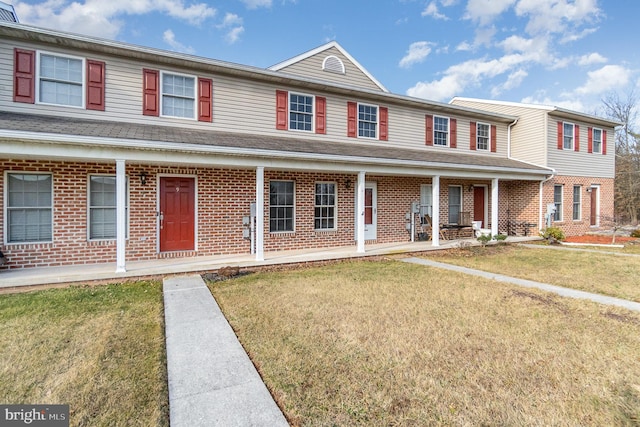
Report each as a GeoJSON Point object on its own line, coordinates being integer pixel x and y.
{"type": "Point", "coordinates": [177, 214]}
{"type": "Point", "coordinates": [594, 206]}
{"type": "Point", "coordinates": [478, 205]}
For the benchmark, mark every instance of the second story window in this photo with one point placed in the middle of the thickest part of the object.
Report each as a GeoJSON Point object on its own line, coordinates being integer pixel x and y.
{"type": "Point", "coordinates": [597, 140]}
{"type": "Point", "coordinates": [367, 121]}
{"type": "Point", "coordinates": [568, 136]}
{"type": "Point", "coordinates": [440, 131]}
{"type": "Point", "coordinates": [178, 95]}
{"type": "Point", "coordinates": [482, 136]}
{"type": "Point", "coordinates": [300, 112]}
{"type": "Point", "coordinates": [60, 80]}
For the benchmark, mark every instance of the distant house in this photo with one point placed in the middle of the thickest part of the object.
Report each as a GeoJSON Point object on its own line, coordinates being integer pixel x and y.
{"type": "Point", "coordinates": [114, 152]}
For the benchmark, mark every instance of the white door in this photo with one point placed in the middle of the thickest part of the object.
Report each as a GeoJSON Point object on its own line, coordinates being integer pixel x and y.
{"type": "Point", "coordinates": [370, 210]}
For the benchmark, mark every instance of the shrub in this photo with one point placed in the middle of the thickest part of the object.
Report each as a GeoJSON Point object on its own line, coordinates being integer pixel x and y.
{"type": "Point", "coordinates": [484, 239]}
{"type": "Point", "coordinates": [500, 237]}
{"type": "Point", "coordinates": [636, 233]}
{"type": "Point", "coordinates": [553, 234]}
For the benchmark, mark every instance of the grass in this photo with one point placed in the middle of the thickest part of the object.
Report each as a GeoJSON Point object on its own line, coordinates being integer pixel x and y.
{"type": "Point", "coordinates": [387, 343]}
{"type": "Point", "coordinates": [605, 274]}
{"type": "Point", "coordinates": [98, 349]}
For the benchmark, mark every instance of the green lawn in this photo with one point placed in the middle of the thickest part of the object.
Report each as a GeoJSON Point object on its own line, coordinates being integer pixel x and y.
{"type": "Point", "coordinates": [617, 276]}
{"type": "Point", "coordinates": [388, 343]}
{"type": "Point", "coordinates": [99, 349]}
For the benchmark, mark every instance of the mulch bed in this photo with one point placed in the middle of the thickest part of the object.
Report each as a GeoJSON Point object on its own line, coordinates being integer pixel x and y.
{"type": "Point", "coordinates": [599, 239]}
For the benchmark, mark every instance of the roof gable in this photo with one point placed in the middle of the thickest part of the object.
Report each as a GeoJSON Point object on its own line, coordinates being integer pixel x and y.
{"type": "Point", "coordinates": [330, 62]}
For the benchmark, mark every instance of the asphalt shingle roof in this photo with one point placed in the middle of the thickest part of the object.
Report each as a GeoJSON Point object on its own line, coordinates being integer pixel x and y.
{"type": "Point", "coordinates": [170, 134]}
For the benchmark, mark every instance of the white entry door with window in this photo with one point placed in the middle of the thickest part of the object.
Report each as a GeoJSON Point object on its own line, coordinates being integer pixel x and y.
{"type": "Point", "coordinates": [370, 211]}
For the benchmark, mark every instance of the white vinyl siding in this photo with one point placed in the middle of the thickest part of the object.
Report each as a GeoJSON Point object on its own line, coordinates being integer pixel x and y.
{"type": "Point", "coordinates": [29, 207]}
{"type": "Point", "coordinates": [60, 80]}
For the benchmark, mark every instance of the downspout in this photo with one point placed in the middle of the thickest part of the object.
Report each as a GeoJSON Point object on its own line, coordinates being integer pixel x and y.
{"type": "Point", "coordinates": [509, 138]}
{"type": "Point", "coordinates": [540, 214]}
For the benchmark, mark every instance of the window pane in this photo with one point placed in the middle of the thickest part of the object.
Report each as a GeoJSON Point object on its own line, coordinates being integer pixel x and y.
{"type": "Point", "coordinates": [281, 199]}
{"type": "Point", "coordinates": [178, 96]}
{"type": "Point", "coordinates": [455, 204]}
{"type": "Point", "coordinates": [568, 136]}
{"type": "Point", "coordinates": [300, 112]}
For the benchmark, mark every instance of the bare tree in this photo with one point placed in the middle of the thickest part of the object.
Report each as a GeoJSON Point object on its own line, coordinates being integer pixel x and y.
{"type": "Point", "coordinates": [627, 150]}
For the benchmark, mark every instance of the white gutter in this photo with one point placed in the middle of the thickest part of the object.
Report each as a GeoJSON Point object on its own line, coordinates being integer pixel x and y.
{"type": "Point", "coordinates": [509, 138]}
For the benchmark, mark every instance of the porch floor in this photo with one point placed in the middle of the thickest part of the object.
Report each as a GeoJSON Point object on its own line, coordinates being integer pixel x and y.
{"type": "Point", "coordinates": [29, 277]}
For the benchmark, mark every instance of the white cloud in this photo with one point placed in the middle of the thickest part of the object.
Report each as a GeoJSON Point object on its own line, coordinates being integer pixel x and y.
{"type": "Point", "coordinates": [103, 18]}
{"type": "Point", "coordinates": [437, 90]}
{"type": "Point", "coordinates": [592, 58]}
{"type": "Point", "coordinates": [416, 53]}
{"type": "Point", "coordinates": [233, 24]}
{"type": "Point", "coordinates": [485, 11]}
{"type": "Point", "coordinates": [432, 10]}
{"type": "Point", "coordinates": [254, 4]}
{"type": "Point", "coordinates": [607, 78]}
{"type": "Point", "coordinates": [170, 38]}
{"type": "Point", "coordinates": [514, 80]}
{"type": "Point", "coordinates": [465, 46]}
{"type": "Point", "coordinates": [553, 16]}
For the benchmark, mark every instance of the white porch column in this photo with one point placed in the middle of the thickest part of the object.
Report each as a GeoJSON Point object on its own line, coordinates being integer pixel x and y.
{"type": "Point", "coordinates": [121, 216]}
{"type": "Point", "coordinates": [360, 212]}
{"type": "Point", "coordinates": [494, 207]}
{"type": "Point", "coordinates": [260, 213]}
{"type": "Point", "coordinates": [435, 217]}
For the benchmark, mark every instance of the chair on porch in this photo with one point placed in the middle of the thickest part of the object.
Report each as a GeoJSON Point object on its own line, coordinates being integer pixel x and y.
{"type": "Point", "coordinates": [427, 220]}
{"type": "Point", "coordinates": [465, 222]}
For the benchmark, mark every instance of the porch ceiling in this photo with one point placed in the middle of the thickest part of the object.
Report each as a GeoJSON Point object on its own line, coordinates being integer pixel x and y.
{"type": "Point", "coordinates": [136, 137]}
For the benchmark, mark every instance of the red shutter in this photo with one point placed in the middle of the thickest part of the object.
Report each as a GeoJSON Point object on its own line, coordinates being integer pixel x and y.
{"type": "Point", "coordinates": [428, 140]}
{"type": "Point", "coordinates": [472, 138]}
{"type": "Point", "coordinates": [24, 83]}
{"type": "Point", "coordinates": [453, 137]}
{"type": "Point", "coordinates": [560, 127]}
{"type": "Point", "coordinates": [282, 99]}
{"type": "Point", "coordinates": [150, 93]}
{"type": "Point", "coordinates": [384, 124]}
{"type": "Point", "coordinates": [604, 142]}
{"type": "Point", "coordinates": [321, 115]}
{"type": "Point", "coordinates": [205, 100]}
{"type": "Point", "coordinates": [95, 85]}
{"type": "Point", "coordinates": [494, 138]}
{"type": "Point", "coordinates": [589, 140]}
{"type": "Point", "coordinates": [576, 139]}
{"type": "Point", "coordinates": [352, 127]}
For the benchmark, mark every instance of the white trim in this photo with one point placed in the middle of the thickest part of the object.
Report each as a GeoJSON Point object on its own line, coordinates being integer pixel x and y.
{"type": "Point", "coordinates": [561, 211]}
{"type": "Point", "coordinates": [372, 232]}
{"type": "Point", "coordinates": [324, 64]}
{"type": "Point", "coordinates": [377, 107]}
{"type": "Point", "coordinates": [260, 213]}
{"type": "Point", "coordinates": [313, 112]}
{"type": "Point", "coordinates": [494, 206]}
{"type": "Point", "coordinates": [320, 49]}
{"type": "Point", "coordinates": [335, 206]}
{"type": "Point", "coordinates": [127, 205]}
{"type": "Point", "coordinates": [293, 215]}
{"type": "Point", "coordinates": [360, 212]}
{"type": "Point", "coordinates": [195, 95]}
{"type": "Point", "coordinates": [448, 131]}
{"type": "Point", "coordinates": [121, 237]}
{"type": "Point", "coordinates": [573, 136]}
{"type": "Point", "coordinates": [596, 188]}
{"type": "Point", "coordinates": [488, 149]}
{"type": "Point", "coordinates": [573, 202]}
{"type": "Point", "coordinates": [83, 82]}
{"type": "Point", "coordinates": [435, 218]}
{"type": "Point", "coordinates": [459, 187]}
{"type": "Point", "coordinates": [6, 207]}
{"type": "Point", "coordinates": [593, 139]}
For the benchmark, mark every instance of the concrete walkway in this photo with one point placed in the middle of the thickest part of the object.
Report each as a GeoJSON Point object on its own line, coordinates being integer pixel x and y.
{"type": "Point", "coordinates": [565, 292]}
{"type": "Point", "coordinates": [577, 249]}
{"type": "Point", "coordinates": [212, 381]}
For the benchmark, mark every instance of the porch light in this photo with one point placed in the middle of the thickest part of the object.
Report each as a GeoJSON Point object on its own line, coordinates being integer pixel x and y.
{"type": "Point", "coordinates": [143, 178]}
{"type": "Point", "coordinates": [347, 184]}
{"type": "Point", "coordinates": [470, 188]}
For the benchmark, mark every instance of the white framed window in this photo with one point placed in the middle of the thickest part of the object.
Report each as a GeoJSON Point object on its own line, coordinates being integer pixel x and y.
{"type": "Point", "coordinates": [325, 206]}
{"type": "Point", "coordinates": [28, 207]}
{"type": "Point", "coordinates": [597, 140]}
{"type": "Point", "coordinates": [281, 206]}
{"type": "Point", "coordinates": [367, 121]}
{"type": "Point", "coordinates": [426, 202]}
{"type": "Point", "coordinates": [178, 95]}
{"type": "Point", "coordinates": [482, 136]}
{"type": "Point", "coordinates": [455, 203]}
{"type": "Point", "coordinates": [60, 79]}
{"type": "Point", "coordinates": [301, 111]}
{"type": "Point", "coordinates": [557, 201]}
{"type": "Point", "coordinates": [441, 131]}
{"type": "Point", "coordinates": [577, 202]}
{"type": "Point", "coordinates": [102, 219]}
{"type": "Point", "coordinates": [568, 136]}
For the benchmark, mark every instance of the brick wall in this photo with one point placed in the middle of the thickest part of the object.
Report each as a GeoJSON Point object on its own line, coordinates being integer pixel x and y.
{"type": "Point", "coordinates": [223, 198]}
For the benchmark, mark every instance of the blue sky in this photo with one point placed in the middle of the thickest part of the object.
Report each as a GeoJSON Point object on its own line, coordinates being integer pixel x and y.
{"type": "Point", "coordinates": [569, 53]}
